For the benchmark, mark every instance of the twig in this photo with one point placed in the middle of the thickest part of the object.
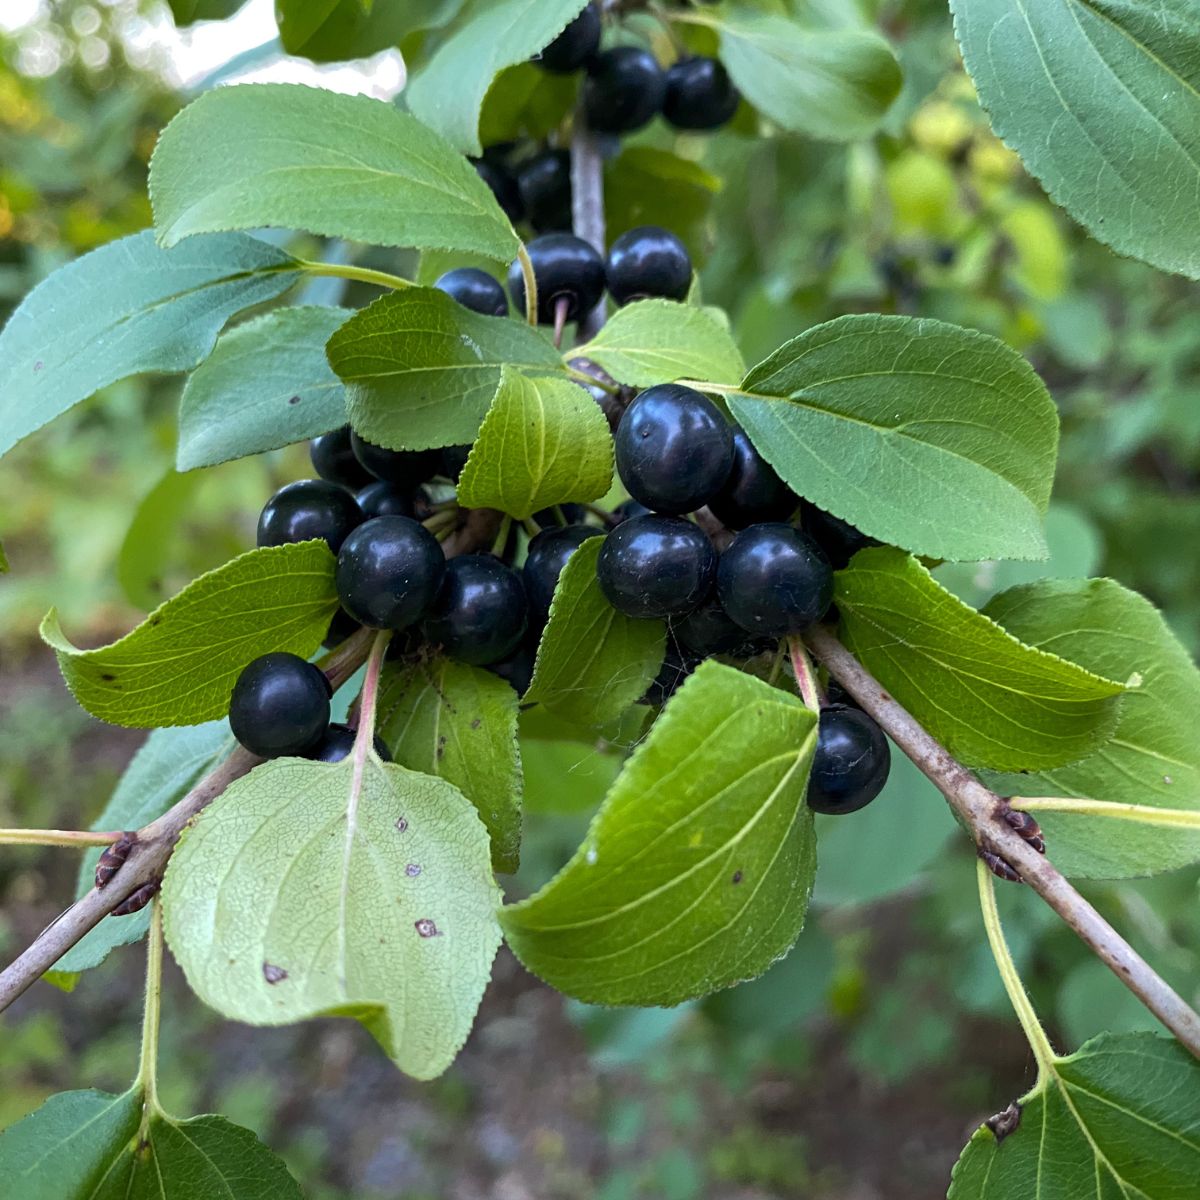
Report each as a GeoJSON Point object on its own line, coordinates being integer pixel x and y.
{"type": "Point", "coordinates": [587, 205]}
{"type": "Point", "coordinates": [57, 837]}
{"type": "Point", "coordinates": [982, 811]}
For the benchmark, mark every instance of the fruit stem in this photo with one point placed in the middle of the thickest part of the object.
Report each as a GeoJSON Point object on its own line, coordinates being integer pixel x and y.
{"type": "Point", "coordinates": [1145, 814]}
{"type": "Point", "coordinates": [501, 536]}
{"type": "Point", "coordinates": [561, 307]}
{"type": "Point", "coordinates": [531, 296]}
{"type": "Point", "coordinates": [57, 837]}
{"type": "Point", "coordinates": [583, 377]}
{"type": "Point", "coordinates": [664, 19]}
{"type": "Point", "coordinates": [362, 274]}
{"type": "Point", "coordinates": [531, 527]}
{"type": "Point", "coordinates": [343, 660]}
{"type": "Point", "coordinates": [147, 1076]}
{"type": "Point", "coordinates": [807, 682]}
{"type": "Point", "coordinates": [369, 696]}
{"type": "Point", "coordinates": [1039, 1043]}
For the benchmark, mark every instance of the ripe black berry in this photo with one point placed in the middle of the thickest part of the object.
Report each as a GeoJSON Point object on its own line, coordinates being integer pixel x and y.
{"type": "Point", "coordinates": [503, 185]}
{"type": "Point", "coordinates": [545, 185]}
{"type": "Point", "coordinates": [673, 449]}
{"type": "Point", "coordinates": [852, 761]}
{"type": "Point", "coordinates": [648, 261]}
{"type": "Point", "coordinates": [407, 467]}
{"type": "Point", "coordinates": [280, 705]}
{"type": "Point", "coordinates": [517, 669]}
{"type": "Point", "coordinates": [548, 554]}
{"type": "Point", "coordinates": [699, 95]}
{"type": "Point", "coordinates": [572, 514]}
{"type": "Point", "coordinates": [575, 45]}
{"type": "Point", "coordinates": [476, 290]}
{"type": "Point", "coordinates": [383, 499]}
{"type": "Point", "coordinates": [656, 566]}
{"type": "Point", "coordinates": [752, 492]}
{"type": "Point", "coordinates": [311, 508]}
{"type": "Point", "coordinates": [566, 268]}
{"type": "Point", "coordinates": [479, 615]}
{"type": "Point", "coordinates": [333, 459]}
{"type": "Point", "coordinates": [626, 510]}
{"type": "Point", "coordinates": [773, 580]}
{"type": "Point", "coordinates": [709, 630]}
{"type": "Point", "coordinates": [388, 572]}
{"type": "Point", "coordinates": [840, 540]}
{"type": "Point", "coordinates": [624, 89]}
{"type": "Point", "coordinates": [339, 741]}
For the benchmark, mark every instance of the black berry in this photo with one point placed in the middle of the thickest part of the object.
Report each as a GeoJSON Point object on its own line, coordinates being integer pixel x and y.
{"type": "Point", "coordinates": [851, 763]}
{"type": "Point", "coordinates": [840, 540]}
{"type": "Point", "coordinates": [626, 510]}
{"type": "Point", "coordinates": [774, 580]}
{"type": "Point", "coordinates": [566, 268]}
{"type": "Point", "coordinates": [624, 89]}
{"type": "Point", "coordinates": [383, 499]}
{"type": "Point", "coordinates": [709, 630]}
{"type": "Point", "coordinates": [389, 571]}
{"type": "Point", "coordinates": [311, 508]}
{"type": "Point", "coordinates": [406, 467]}
{"type": "Point", "coordinates": [673, 449]}
{"type": "Point", "coordinates": [545, 185]}
{"type": "Point", "coordinates": [479, 615]}
{"type": "Point", "coordinates": [656, 566]}
{"type": "Point", "coordinates": [334, 460]}
{"type": "Point", "coordinates": [575, 45]}
{"type": "Point", "coordinates": [677, 665]}
{"type": "Point", "coordinates": [503, 185]}
{"type": "Point", "coordinates": [476, 290]}
{"type": "Point", "coordinates": [548, 554]}
{"type": "Point", "coordinates": [699, 94]}
{"type": "Point", "coordinates": [648, 261]}
{"type": "Point", "coordinates": [572, 514]}
{"type": "Point", "coordinates": [279, 706]}
{"type": "Point", "coordinates": [339, 741]}
{"type": "Point", "coordinates": [752, 492]}
{"type": "Point", "coordinates": [517, 669]}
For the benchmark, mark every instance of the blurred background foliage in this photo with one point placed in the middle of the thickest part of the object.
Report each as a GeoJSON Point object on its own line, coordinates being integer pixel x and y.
{"type": "Point", "coordinates": [856, 1067]}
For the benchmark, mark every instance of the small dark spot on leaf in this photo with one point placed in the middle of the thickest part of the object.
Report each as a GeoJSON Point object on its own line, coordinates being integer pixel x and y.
{"type": "Point", "coordinates": [154, 620]}
{"type": "Point", "coordinates": [475, 724]}
{"type": "Point", "coordinates": [107, 677]}
{"type": "Point", "coordinates": [37, 366]}
{"type": "Point", "coordinates": [737, 877]}
{"type": "Point", "coordinates": [294, 400]}
{"type": "Point", "coordinates": [426, 928]}
{"type": "Point", "coordinates": [273, 974]}
{"type": "Point", "coordinates": [412, 870]}
{"type": "Point", "coordinates": [1004, 1122]}
{"type": "Point", "coordinates": [441, 745]}
{"type": "Point", "coordinates": [402, 823]}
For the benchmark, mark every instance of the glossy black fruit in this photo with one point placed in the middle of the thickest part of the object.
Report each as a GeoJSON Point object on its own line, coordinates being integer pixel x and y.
{"type": "Point", "coordinates": [544, 182]}
{"type": "Point", "coordinates": [774, 580]}
{"type": "Point", "coordinates": [548, 554]}
{"type": "Point", "coordinates": [656, 566]}
{"type": "Point", "coordinates": [624, 89]}
{"type": "Point", "coordinates": [334, 460]}
{"type": "Point", "coordinates": [677, 665]}
{"type": "Point", "coordinates": [406, 467]}
{"type": "Point", "coordinates": [851, 763]}
{"type": "Point", "coordinates": [339, 741]}
{"type": "Point", "coordinates": [503, 185]}
{"type": "Point", "coordinates": [575, 45]}
{"type": "Point", "coordinates": [476, 290]}
{"type": "Point", "coordinates": [709, 630]}
{"type": "Point", "coordinates": [388, 572]}
{"type": "Point", "coordinates": [480, 613]}
{"type": "Point", "coordinates": [566, 268]}
{"type": "Point", "coordinates": [454, 458]}
{"type": "Point", "coordinates": [628, 509]}
{"type": "Point", "coordinates": [648, 261]}
{"type": "Point", "coordinates": [383, 499]}
{"type": "Point", "coordinates": [674, 449]}
{"type": "Point", "coordinates": [573, 514]}
{"type": "Point", "coordinates": [341, 627]}
{"type": "Point", "coordinates": [279, 706]}
{"type": "Point", "coordinates": [752, 492]}
{"type": "Point", "coordinates": [517, 669]}
{"type": "Point", "coordinates": [699, 94]}
{"type": "Point", "coordinates": [840, 540]}
{"type": "Point", "coordinates": [311, 508]}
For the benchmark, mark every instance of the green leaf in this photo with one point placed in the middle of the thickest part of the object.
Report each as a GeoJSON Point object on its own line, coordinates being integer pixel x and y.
{"type": "Point", "coordinates": [459, 723]}
{"type": "Point", "coordinates": [344, 166]}
{"type": "Point", "coordinates": [1152, 759]}
{"type": "Point", "coordinates": [835, 85]}
{"type": "Point", "coordinates": [659, 341]}
{"type": "Point", "coordinates": [1117, 1119]}
{"type": "Point", "coordinates": [696, 872]}
{"type": "Point", "coordinates": [187, 11]}
{"type": "Point", "coordinates": [266, 384]}
{"type": "Point", "coordinates": [148, 542]}
{"type": "Point", "coordinates": [593, 662]}
{"type": "Point", "coordinates": [1101, 99]}
{"type": "Point", "coordinates": [4, 567]}
{"type": "Point", "coordinates": [544, 441]}
{"type": "Point", "coordinates": [337, 30]}
{"type": "Point", "coordinates": [130, 307]}
{"type": "Point", "coordinates": [179, 665]}
{"type": "Point", "coordinates": [421, 370]}
{"type": "Point", "coordinates": [315, 889]}
{"type": "Point", "coordinates": [924, 435]}
{"type": "Point", "coordinates": [989, 699]}
{"type": "Point", "coordinates": [491, 35]}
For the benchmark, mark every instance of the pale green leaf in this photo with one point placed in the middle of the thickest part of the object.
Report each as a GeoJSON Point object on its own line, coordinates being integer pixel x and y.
{"type": "Point", "coordinates": [460, 723]}
{"type": "Point", "coordinates": [348, 889]}
{"type": "Point", "coordinates": [421, 370]}
{"type": "Point", "coordinates": [127, 308]}
{"type": "Point", "coordinates": [659, 341]}
{"type": "Point", "coordinates": [989, 699]}
{"type": "Point", "coordinates": [1153, 759]}
{"type": "Point", "coordinates": [544, 441]}
{"type": "Point", "coordinates": [696, 872]}
{"type": "Point", "coordinates": [832, 84]}
{"type": "Point", "coordinates": [150, 539]}
{"type": "Point", "coordinates": [187, 11]}
{"type": "Point", "coordinates": [593, 662]}
{"type": "Point", "coordinates": [922, 434]}
{"type": "Point", "coordinates": [284, 155]}
{"type": "Point", "coordinates": [491, 35]}
{"type": "Point", "coordinates": [1117, 1120]}
{"type": "Point", "coordinates": [266, 384]}
{"type": "Point", "coordinates": [1101, 99]}
{"type": "Point", "coordinates": [179, 665]}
